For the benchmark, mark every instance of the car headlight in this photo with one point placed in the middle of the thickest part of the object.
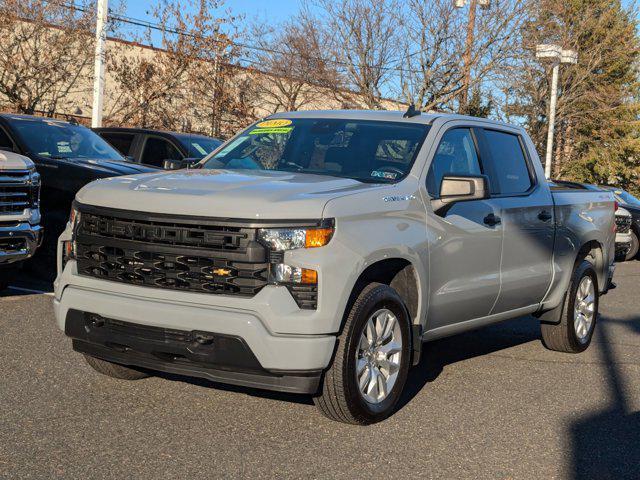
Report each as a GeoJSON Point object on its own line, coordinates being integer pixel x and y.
{"type": "Point", "coordinates": [34, 188]}
{"type": "Point", "coordinates": [280, 239]}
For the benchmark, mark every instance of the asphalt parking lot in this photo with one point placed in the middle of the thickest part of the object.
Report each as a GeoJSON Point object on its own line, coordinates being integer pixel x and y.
{"type": "Point", "coordinates": [487, 404]}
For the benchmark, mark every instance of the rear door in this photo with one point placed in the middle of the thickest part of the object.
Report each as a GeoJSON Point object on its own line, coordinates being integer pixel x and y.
{"type": "Point", "coordinates": [527, 215]}
{"type": "Point", "coordinates": [122, 141]}
{"type": "Point", "coordinates": [156, 150]}
{"type": "Point", "coordinates": [464, 241]}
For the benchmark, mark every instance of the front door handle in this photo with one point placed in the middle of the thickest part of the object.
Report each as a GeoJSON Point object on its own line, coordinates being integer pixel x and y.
{"type": "Point", "coordinates": [545, 216]}
{"type": "Point", "coordinates": [492, 220]}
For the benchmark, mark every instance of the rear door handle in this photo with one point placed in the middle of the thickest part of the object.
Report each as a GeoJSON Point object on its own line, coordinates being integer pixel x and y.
{"type": "Point", "coordinates": [492, 220]}
{"type": "Point", "coordinates": [545, 216]}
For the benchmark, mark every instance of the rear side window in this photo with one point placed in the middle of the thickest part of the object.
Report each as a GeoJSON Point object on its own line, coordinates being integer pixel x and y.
{"type": "Point", "coordinates": [122, 141]}
{"type": "Point", "coordinates": [509, 171]}
{"type": "Point", "coordinates": [456, 155]}
{"type": "Point", "coordinates": [157, 150]}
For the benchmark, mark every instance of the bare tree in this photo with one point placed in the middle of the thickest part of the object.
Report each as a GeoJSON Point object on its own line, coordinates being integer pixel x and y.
{"type": "Point", "coordinates": [433, 45]}
{"type": "Point", "coordinates": [364, 44]}
{"type": "Point", "coordinates": [292, 58]}
{"type": "Point", "coordinates": [45, 49]}
{"type": "Point", "coordinates": [153, 86]}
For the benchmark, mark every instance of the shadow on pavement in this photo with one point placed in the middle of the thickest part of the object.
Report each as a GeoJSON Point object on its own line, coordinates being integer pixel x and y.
{"type": "Point", "coordinates": [607, 445]}
{"type": "Point", "coordinates": [436, 355]}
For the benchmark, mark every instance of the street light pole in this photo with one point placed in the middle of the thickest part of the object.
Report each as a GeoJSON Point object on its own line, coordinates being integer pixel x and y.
{"type": "Point", "coordinates": [468, 47]}
{"type": "Point", "coordinates": [552, 119]}
{"type": "Point", "coordinates": [98, 66]}
{"type": "Point", "coordinates": [556, 55]}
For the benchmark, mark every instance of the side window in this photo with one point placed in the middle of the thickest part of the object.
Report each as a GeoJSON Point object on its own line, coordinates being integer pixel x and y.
{"type": "Point", "coordinates": [5, 141]}
{"type": "Point", "coordinates": [508, 170]}
{"type": "Point", "coordinates": [456, 155]}
{"type": "Point", "coordinates": [121, 141]}
{"type": "Point", "coordinates": [157, 150]}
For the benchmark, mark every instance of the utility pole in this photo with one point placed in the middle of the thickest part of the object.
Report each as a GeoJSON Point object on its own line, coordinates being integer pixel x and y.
{"type": "Point", "coordinates": [98, 67]}
{"type": "Point", "coordinates": [468, 47]}
{"type": "Point", "coordinates": [556, 55]}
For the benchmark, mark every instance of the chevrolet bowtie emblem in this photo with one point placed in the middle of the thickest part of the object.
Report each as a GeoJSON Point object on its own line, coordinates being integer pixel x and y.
{"type": "Point", "coordinates": [222, 272]}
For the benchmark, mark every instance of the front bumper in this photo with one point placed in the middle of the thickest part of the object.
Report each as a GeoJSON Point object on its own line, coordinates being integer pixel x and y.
{"type": "Point", "coordinates": [220, 358]}
{"type": "Point", "coordinates": [19, 241]}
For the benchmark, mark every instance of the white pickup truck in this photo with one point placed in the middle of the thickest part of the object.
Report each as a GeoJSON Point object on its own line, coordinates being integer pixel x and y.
{"type": "Point", "coordinates": [20, 231]}
{"type": "Point", "coordinates": [315, 252]}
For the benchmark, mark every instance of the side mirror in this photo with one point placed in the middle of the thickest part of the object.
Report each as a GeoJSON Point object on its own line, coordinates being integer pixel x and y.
{"type": "Point", "coordinates": [460, 188]}
{"type": "Point", "coordinates": [178, 164]}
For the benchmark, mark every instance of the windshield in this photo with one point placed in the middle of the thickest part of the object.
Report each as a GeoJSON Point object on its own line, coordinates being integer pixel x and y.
{"type": "Point", "coordinates": [626, 198]}
{"type": "Point", "coordinates": [368, 151]}
{"type": "Point", "coordinates": [62, 140]}
{"type": "Point", "coordinates": [198, 147]}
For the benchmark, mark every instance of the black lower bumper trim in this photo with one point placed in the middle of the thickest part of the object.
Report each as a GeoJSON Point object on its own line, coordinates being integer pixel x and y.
{"type": "Point", "coordinates": [219, 358]}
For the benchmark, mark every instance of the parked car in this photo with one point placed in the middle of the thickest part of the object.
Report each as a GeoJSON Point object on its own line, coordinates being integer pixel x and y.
{"type": "Point", "coordinates": [632, 205]}
{"type": "Point", "coordinates": [67, 156]}
{"type": "Point", "coordinates": [20, 231]}
{"type": "Point", "coordinates": [315, 252]}
{"type": "Point", "coordinates": [155, 147]}
{"type": "Point", "coordinates": [623, 234]}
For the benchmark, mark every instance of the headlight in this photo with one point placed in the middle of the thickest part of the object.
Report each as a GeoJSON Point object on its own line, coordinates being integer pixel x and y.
{"type": "Point", "coordinates": [74, 218]}
{"type": "Point", "coordinates": [280, 239]}
{"type": "Point", "coordinates": [34, 189]}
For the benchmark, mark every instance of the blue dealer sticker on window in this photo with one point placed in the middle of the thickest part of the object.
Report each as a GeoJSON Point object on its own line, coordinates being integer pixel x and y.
{"type": "Point", "coordinates": [385, 175]}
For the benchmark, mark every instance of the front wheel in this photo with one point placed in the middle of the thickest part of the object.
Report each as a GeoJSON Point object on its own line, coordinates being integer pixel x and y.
{"type": "Point", "coordinates": [579, 313]}
{"type": "Point", "coordinates": [635, 246]}
{"type": "Point", "coordinates": [366, 379]}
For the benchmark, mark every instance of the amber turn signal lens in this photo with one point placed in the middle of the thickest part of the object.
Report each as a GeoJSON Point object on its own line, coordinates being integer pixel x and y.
{"type": "Point", "coordinates": [318, 237]}
{"type": "Point", "coordinates": [309, 276]}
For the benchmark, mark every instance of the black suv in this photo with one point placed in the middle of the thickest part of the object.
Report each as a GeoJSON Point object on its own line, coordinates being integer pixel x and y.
{"type": "Point", "coordinates": [154, 147]}
{"type": "Point", "coordinates": [67, 156]}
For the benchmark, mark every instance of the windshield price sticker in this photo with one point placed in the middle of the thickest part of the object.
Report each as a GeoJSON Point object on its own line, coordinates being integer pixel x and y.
{"type": "Point", "coordinates": [274, 123]}
{"type": "Point", "coordinates": [266, 131]}
{"type": "Point", "coordinates": [386, 175]}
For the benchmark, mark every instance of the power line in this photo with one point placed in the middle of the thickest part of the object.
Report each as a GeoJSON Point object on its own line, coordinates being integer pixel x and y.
{"type": "Point", "coordinates": [247, 46]}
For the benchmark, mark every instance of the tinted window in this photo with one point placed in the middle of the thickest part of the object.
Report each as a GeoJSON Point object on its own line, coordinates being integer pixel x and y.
{"type": "Point", "coordinates": [368, 151]}
{"type": "Point", "coordinates": [122, 141]}
{"type": "Point", "coordinates": [197, 146]}
{"type": "Point", "coordinates": [5, 141]}
{"type": "Point", "coordinates": [157, 150]}
{"type": "Point", "coordinates": [509, 173]}
{"type": "Point", "coordinates": [456, 155]}
{"type": "Point", "coordinates": [55, 139]}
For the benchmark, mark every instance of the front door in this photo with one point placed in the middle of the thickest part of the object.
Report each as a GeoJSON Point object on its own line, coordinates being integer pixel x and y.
{"type": "Point", "coordinates": [465, 242]}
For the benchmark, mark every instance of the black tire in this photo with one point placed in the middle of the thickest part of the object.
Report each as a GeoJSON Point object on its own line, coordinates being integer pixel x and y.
{"type": "Point", "coordinates": [562, 337]}
{"type": "Point", "coordinates": [635, 246]}
{"type": "Point", "coordinates": [340, 398]}
{"type": "Point", "coordinates": [115, 370]}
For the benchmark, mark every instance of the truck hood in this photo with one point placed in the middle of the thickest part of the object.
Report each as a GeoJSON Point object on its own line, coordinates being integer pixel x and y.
{"type": "Point", "coordinates": [246, 194]}
{"type": "Point", "coordinates": [13, 161]}
{"type": "Point", "coordinates": [110, 167]}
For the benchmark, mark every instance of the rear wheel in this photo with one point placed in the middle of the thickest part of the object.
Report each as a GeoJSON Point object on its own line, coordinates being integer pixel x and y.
{"type": "Point", "coordinates": [635, 246]}
{"type": "Point", "coordinates": [579, 313]}
{"type": "Point", "coordinates": [366, 379]}
{"type": "Point", "coordinates": [115, 370]}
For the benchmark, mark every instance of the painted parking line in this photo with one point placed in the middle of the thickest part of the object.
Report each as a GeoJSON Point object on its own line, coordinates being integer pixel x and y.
{"type": "Point", "coordinates": [30, 290]}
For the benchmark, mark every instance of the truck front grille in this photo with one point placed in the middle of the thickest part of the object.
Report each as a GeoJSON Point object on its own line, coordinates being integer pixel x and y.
{"type": "Point", "coordinates": [178, 255]}
{"type": "Point", "coordinates": [15, 191]}
{"type": "Point", "coordinates": [623, 224]}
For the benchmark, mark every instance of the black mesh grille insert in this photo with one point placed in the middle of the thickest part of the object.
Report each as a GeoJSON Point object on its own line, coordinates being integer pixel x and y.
{"type": "Point", "coordinates": [623, 224]}
{"type": "Point", "coordinates": [171, 255]}
{"type": "Point", "coordinates": [15, 193]}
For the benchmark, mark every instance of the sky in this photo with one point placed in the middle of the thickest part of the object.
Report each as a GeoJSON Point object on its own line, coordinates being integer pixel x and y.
{"type": "Point", "coordinates": [277, 10]}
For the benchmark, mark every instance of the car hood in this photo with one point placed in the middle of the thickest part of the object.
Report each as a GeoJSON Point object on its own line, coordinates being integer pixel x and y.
{"type": "Point", "coordinates": [110, 167]}
{"type": "Point", "coordinates": [13, 161]}
{"type": "Point", "coordinates": [241, 194]}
